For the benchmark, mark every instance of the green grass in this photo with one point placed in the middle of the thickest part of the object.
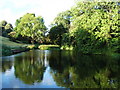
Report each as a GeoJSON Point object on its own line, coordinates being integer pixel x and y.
{"type": "Point", "coordinates": [6, 41]}
{"type": "Point", "coordinates": [8, 46]}
{"type": "Point", "coordinates": [49, 47]}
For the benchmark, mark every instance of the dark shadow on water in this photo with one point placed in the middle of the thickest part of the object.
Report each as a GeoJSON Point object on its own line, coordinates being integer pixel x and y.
{"type": "Point", "coordinates": [84, 71]}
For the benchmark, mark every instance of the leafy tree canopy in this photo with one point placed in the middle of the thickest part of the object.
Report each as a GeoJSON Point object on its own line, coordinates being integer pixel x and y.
{"type": "Point", "coordinates": [92, 27]}
{"type": "Point", "coordinates": [31, 26]}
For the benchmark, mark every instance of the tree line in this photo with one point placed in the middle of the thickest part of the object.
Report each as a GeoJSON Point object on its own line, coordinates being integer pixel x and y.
{"type": "Point", "coordinates": [88, 27]}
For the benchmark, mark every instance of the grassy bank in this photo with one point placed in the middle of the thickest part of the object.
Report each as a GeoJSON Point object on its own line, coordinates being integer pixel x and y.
{"type": "Point", "coordinates": [9, 47]}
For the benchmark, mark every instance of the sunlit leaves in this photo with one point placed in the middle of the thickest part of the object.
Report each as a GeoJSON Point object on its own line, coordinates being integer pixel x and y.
{"type": "Point", "coordinates": [31, 26]}
{"type": "Point", "coordinates": [99, 19]}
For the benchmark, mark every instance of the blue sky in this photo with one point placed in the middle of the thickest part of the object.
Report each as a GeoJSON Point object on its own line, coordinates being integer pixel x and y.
{"type": "Point", "coordinates": [10, 10]}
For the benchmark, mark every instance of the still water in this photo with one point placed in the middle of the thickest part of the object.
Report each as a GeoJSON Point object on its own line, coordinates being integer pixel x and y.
{"type": "Point", "coordinates": [60, 69]}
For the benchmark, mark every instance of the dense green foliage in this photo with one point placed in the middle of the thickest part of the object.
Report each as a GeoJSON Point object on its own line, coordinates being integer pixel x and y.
{"type": "Point", "coordinates": [93, 27]}
{"type": "Point", "coordinates": [5, 28]}
{"type": "Point", "coordinates": [89, 27]}
{"type": "Point", "coordinates": [96, 28]}
{"type": "Point", "coordinates": [60, 26]}
{"type": "Point", "coordinates": [31, 26]}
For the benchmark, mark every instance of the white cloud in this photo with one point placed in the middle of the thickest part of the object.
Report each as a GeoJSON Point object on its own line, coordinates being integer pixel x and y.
{"type": "Point", "coordinates": [10, 10]}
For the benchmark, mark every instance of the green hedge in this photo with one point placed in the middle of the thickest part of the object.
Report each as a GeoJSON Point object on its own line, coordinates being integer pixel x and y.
{"type": "Point", "coordinates": [49, 47]}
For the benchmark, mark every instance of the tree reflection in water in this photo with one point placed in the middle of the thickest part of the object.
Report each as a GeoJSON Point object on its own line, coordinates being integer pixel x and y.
{"type": "Point", "coordinates": [30, 67]}
{"type": "Point", "coordinates": [59, 63]}
{"type": "Point", "coordinates": [67, 69]}
{"type": "Point", "coordinates": [6, 65]}
{"type": "Point", "coordinates": [84, 71]}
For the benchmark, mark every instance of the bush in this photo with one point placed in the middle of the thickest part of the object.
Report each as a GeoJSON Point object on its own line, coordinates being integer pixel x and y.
{"type": "Point", "coordinates": [66, 47]}
{"type": "Point", "coordinates": [49, 47]}
{"type": "Point", "coordinates": [31, 46]}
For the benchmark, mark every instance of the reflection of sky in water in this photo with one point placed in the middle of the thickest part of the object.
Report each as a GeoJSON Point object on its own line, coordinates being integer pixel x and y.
{"type": "Point", "coordinates": [47, 80]}
{"type": "Point", "coordinates": [10, 81]}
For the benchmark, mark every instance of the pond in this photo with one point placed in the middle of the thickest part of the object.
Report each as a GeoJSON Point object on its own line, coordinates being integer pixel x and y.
{"type": "Point", "coordinates": [60, 69]}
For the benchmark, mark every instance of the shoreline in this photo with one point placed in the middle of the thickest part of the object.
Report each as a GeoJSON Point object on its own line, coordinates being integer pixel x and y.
{"type": "Point", "coordinates": [15, 51]}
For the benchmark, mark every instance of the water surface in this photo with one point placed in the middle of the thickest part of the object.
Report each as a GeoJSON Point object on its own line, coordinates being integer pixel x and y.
{"type": "Point", "coordinates": [60, 69]}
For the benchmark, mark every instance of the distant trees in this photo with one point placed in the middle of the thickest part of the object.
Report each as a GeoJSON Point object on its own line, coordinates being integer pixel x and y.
{"type": "Point", "coordinates": [5, 28]}
{"type": "Point", "coordinates": [31, 26]}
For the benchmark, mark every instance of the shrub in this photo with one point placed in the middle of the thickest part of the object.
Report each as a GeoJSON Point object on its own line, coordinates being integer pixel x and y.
{"type": "Point", "coordinates": [49, 47]}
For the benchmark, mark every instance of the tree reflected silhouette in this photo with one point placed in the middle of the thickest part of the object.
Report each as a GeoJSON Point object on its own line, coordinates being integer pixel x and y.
{"type": "Point", "coordinates": [30, 67]}
{"type": "Point", "coordinates": [68, 69]}
{"type": "Point", "coordinates": [84, 71]}
{"type": "Point", "coordinates": [6, 65]}
{"type": "Point", "coordinates": [59, 64]}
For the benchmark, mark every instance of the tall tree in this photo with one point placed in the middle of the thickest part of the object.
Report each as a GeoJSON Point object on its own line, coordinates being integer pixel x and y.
{"type": "Point", "coordinates": [56, 33]}
{"type": "Point", "coordinates": [60, 26]}
{"type": "Point", "coordinates": [95, 26]}
{"type": "Point", "coordinates": [31, 26]}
